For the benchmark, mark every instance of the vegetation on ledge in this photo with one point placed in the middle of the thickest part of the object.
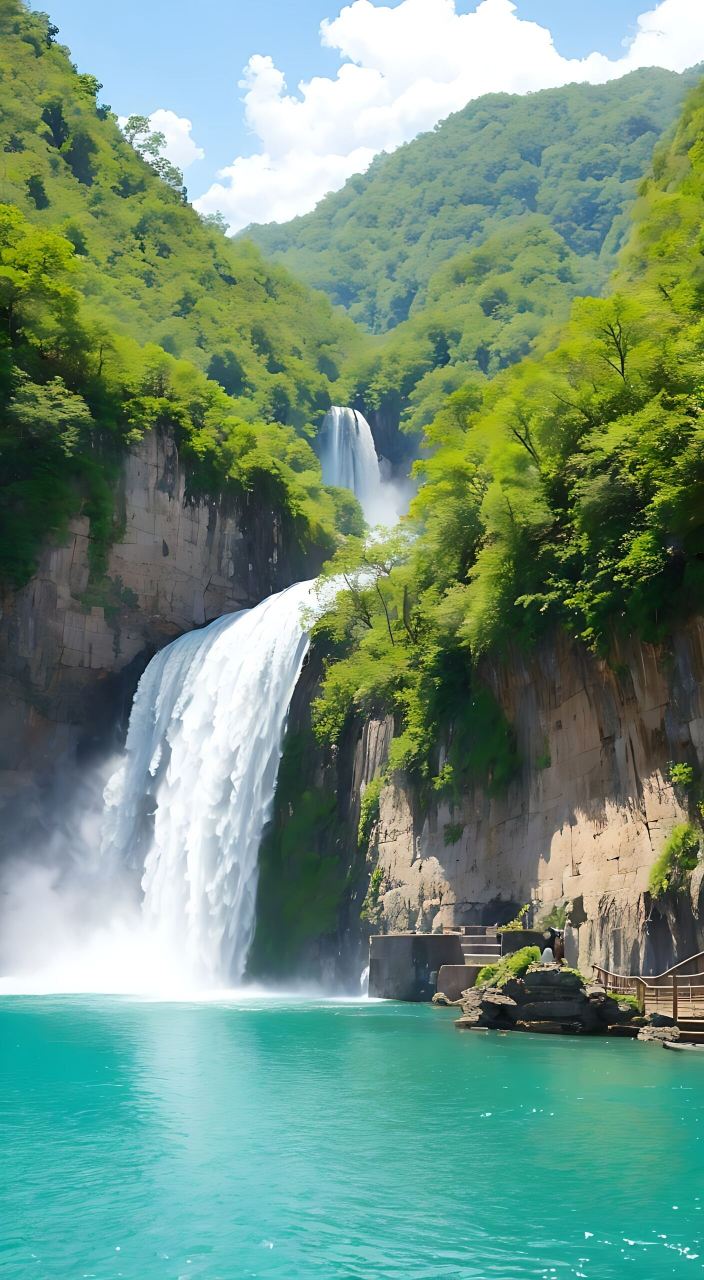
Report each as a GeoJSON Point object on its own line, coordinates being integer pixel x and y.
{"type": "Point", "coordinates": [679, 857]}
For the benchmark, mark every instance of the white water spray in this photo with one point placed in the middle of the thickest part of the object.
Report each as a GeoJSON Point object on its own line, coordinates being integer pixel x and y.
{"type": "Point", "coordinates": [202, 755]}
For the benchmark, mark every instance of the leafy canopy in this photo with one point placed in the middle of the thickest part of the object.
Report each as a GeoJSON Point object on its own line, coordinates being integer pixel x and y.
{"type": "Point", "coordinates": [568, 491]}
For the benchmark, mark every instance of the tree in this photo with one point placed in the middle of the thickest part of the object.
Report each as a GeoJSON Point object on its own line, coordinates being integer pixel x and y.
{"type": "Point", "coordinates": [216, 221]}
{"type": "Point", "coordinates": [149, 144]}
{"type": "Point", "coordinates": [48, 416]}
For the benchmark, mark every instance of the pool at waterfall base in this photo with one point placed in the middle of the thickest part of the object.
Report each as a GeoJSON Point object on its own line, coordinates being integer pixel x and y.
{"type": "Point", "coordinates": [311, 1139]}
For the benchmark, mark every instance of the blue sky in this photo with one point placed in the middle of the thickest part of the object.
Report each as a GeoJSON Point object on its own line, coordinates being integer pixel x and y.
{"type": "Point", "coordinates": [187, 59]}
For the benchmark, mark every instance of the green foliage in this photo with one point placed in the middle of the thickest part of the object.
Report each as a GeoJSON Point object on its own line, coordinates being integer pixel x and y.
{"type": "Point", "coordinates": [518, 923]}
{"type": "Point", "coordinates": [681, 775]}
{"type": "Point", "coordinates": [74, 394]}
{"type": "Point", "coordinates": [631, 1002]}
{"type": "Point", "coordinates": [395, 653]}
{"type": "Point", "coordinates": [543, 760]}
{"type": "Point", "coordinates": [574, 160]}
{"type": "Point", "coordinates": [149, 144]}
{"type": "Point", "coordinates": [370, 906]}
{"type": "Point", "coordinates": [679, 857]}
{"type": "Point", "coordinates": [555, 918]}
{"type": "Point", "coordinates": [484, 310]}
{"type": "Point", "coordinates": [369, 811]}
{"type": "Point", "coordinates": [452, 833]}
{"type": "Point", "coordinates": [511, 966]}
{"type": "Point", "coordinates": [568, 491]}
{"type": "Point", "coordinates": [302, 877]}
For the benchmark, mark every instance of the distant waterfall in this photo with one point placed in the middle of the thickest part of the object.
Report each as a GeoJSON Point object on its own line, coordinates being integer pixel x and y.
{"type": "Point", "coordinates": [348, 460]}
{"type": "Point", "coordinates": [196, 788]}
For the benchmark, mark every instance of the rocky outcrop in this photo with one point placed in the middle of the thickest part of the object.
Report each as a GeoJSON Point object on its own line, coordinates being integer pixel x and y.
{"type": "Point", "coordinates": [583, 820]}
{"type": "Point", "coordinates": [547, 998]}
{"type": "Point", "coordinates": [71, 649]}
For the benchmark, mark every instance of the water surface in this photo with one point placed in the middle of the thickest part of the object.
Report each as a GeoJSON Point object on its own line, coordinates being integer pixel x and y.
{"type": "Point", "coordinates": [296, 1140]}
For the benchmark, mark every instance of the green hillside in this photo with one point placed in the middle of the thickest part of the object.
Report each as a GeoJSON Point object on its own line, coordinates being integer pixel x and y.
{"type": "Point", "coordinates": [149, 264]}
{"type": "Point", "coordinates": [484, 310]}
{"type": "Point", "coordinates": [566, 492]}
{"type": "Point", "coordinates": [575, 157]}
{"type": "Point", "coordinates": [121, 311]}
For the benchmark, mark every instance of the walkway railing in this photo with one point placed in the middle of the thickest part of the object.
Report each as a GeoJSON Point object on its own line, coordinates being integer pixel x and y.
{"type": "Point", "coordinates": [679, 992]}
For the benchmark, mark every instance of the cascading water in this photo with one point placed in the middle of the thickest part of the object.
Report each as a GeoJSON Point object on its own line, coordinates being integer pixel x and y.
{"type": "Point", "coordinates": [171, 899]}
{"type": "Point", "coordinates": [349, 461]}
{"type": "Point", "coordinates": [202, 757]}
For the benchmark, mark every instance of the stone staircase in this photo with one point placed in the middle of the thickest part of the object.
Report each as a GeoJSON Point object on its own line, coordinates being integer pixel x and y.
{"type": "Point", "coordinates": [480, 945]}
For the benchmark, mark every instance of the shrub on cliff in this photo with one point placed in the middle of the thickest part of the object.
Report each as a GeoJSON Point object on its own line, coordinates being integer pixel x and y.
{"type": "Point", "coordinates": [679, 857]}
{"type": "Point", "coordinates": [511, 966]}
{"type": "Point", "coordinates": [369, 810]}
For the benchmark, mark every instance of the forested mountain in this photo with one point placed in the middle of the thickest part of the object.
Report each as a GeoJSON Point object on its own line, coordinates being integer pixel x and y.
{"type": "Point", "coordinates": [116, 303]}
{"type": "Point", "coordinates": [485, 309]}
{"type": "Point", "coordinates": [566, 492]}
{"type": "Point", "coordinates": [574, 157]}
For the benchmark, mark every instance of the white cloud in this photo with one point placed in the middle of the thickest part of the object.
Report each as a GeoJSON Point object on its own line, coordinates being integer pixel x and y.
{"type": "Point", "coordinates": [180, 147]}
{"type": "Point", "coordinates": [403, 69]}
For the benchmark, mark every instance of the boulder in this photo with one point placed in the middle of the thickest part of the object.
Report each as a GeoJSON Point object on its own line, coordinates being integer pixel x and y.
{"type": "Point", "coordinates": [497, 999]}
{"type": "Point", "coordinates": [659, 1020]}
{"type": "Point", "coordinates": [468, 1022]}
{"type": "Point", "coordinates": [546, 977]}
{"type": "Point", "coordinates": [658, 1035]}
{"type": "Point", "coordinates": [442, 999]}
{"type": "Point", "coordinates": [472, 1000]}
{"type": "Point", "coordinates": [613, 1011]}
{"type": "Point", "coordinates": [515, 988]}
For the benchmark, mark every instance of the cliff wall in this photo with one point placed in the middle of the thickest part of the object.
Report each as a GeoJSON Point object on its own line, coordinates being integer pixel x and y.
{"type": "Point", "coordinates": [584, 819]}
{"type": "Point", "coordinates": [72, 652]}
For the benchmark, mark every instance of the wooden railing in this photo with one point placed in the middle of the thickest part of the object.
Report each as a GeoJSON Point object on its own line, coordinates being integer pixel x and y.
{"type": "Point", "coordinates": [678, 993]}
{"type": "Point", "coordinates": [618, 983]}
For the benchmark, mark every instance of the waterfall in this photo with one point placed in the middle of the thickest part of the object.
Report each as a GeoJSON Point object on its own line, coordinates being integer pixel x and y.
{"type": "Point", "coordinates": [189, 803]}
{"type": "Point", "coordinates": [171, 898]}
{"type": "Point", "coordinates": [348, 460]}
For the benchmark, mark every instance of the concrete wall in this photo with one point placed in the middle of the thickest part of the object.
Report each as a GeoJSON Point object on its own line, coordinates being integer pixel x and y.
{"type": "Point", "coordinates": [405, 966]}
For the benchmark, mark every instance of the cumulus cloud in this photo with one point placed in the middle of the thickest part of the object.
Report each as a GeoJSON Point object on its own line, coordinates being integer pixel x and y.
{"type": "Point", "coordinates": [180, 147]}
{"type": "Point", "coordinates": [404, 69]}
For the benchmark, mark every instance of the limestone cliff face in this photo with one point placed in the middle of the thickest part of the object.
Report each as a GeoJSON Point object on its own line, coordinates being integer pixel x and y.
{"type": "Point", "coordinates": [583, 821]}
{"type": "Point", "coordinates": [67, 650]}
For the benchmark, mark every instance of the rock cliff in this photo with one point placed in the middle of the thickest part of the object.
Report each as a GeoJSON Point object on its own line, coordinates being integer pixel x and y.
{"type": "Point", "coordinates": [71, 652]}
{"type": "Point", "coordinates": [585, 817]}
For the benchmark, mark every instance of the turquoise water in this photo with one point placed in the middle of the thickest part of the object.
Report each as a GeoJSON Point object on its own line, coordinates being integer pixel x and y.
{"type": "Point", "coordinates": [294, 1140]}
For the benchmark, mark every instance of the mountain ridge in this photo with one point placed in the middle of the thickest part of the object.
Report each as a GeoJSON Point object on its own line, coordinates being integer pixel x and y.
{"type": "Point", "coordinates": [575, 157]}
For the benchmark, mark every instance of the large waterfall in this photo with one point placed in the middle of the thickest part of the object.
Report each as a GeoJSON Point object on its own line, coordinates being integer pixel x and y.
{"type": "Point", "coordinates": [165, 895]}
{"type": "Point", "coordinates": [349, 461]}
{"type": "Point", "coordinates": [202, 757]}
